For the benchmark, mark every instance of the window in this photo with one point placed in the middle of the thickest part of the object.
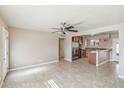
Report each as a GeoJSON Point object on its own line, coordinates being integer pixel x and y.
{"type": "Point", "coordinates": [94, 43]}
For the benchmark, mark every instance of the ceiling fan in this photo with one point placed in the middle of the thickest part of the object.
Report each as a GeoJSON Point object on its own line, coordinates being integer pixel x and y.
{"type": "Point", "coordinates": [65, 28]}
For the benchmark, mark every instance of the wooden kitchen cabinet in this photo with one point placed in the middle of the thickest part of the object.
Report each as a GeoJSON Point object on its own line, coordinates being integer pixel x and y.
{"type": "Point", "coordinates": [76, 47]}
{"type": "Point", "coordinates": [92, 58]}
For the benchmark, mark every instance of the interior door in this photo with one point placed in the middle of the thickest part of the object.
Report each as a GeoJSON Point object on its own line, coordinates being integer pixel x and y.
{"type": "Point", "coordinates": [61, 48]}
{"type": "Point", "coordinates": [4, 53]}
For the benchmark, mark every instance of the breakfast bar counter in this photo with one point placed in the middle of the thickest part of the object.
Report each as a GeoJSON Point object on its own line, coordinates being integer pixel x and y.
{"type": "Point", "coordinates": [98, 57]}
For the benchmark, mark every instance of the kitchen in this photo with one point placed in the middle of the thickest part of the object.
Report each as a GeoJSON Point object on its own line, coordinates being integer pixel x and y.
{"type": "Point", "coordinates": [98, 48]}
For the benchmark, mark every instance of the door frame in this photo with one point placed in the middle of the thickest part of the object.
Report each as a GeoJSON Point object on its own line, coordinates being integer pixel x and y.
{"type": "Point", "coordinates": [60, 47]}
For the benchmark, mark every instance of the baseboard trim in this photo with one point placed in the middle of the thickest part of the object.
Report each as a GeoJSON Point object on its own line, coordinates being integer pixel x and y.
{"type": "Point", "coordinates": [114, 60]}
{"type": "Point", "coordinates": [69, 60]}
{"type": "Point", "coordinates": [120, 76]}
{"type": "Point", "coordinates": [24, 67]}
{"type": "Point", "coordinates": [2, 80]}
{"type": "Point", "coordinates": [103, 62]}
{"type": "Point", "coordinates": [1, 83]}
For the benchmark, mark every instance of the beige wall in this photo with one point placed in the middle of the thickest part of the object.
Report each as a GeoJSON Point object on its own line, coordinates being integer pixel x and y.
{"type": "Point", "coordinates": [2, 23]}
{"type": "Point", "coordinates": [0, 55]}
{"type": "Point", "coordinates": [32, 47]}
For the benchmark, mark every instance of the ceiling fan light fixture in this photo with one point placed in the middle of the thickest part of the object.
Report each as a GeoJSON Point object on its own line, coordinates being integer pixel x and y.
{"type": "Point", "coordinates": [65, 28]}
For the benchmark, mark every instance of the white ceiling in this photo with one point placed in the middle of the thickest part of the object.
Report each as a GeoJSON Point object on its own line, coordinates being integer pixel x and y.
{"type": "Point", "coordinates": [43, 18]}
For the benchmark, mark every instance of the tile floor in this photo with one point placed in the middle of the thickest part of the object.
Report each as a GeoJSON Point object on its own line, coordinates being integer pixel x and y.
{"type": "Point", "coordinates": [78, 74]}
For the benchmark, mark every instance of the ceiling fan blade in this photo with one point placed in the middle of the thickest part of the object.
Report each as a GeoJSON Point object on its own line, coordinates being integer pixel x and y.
{"type": "Point", "coordinates": [56, 28]}
{"type": "Point", "coordinates": [69, 27]}
{"type": "Point", "coordinates": [73, 30]}
{"type": "Point", "coordinates": [66, 26]}
{"type": "Point", "coordinates": [63, 32]}
{"type": "Point", "coordinates": [63, 24]}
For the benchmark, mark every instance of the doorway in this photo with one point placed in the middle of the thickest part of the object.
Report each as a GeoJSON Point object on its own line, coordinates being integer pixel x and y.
{"type": "Point", "coordinates": [61, 48]}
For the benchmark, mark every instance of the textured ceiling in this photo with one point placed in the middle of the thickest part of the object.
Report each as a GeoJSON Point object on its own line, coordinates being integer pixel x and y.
{"type": "Point", "coordinates": [43, 18]}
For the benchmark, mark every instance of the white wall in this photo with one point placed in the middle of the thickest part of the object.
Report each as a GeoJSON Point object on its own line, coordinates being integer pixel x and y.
{"type": "Point", "coordinates": [121, 42]}
{"type": "Point", "coordinates": [32, 47]}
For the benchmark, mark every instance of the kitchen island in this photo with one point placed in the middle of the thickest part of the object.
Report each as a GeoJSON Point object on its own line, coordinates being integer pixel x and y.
{"type": "Point", "coordinates": [99, 56]}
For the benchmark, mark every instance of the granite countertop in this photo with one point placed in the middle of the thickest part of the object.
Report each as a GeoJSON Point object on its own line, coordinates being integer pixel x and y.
{"type": "Point", "coordinates": [98, 48]}
{"type": "Point", "coordinates": [96, 51]}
